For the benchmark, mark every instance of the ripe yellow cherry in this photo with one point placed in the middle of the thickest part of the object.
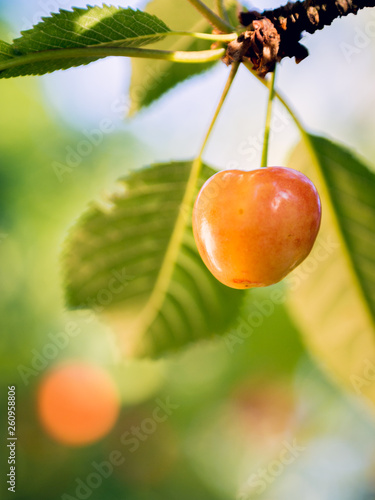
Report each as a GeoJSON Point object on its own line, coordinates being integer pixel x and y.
{"type": "Point", "coordinates": [253, 228]}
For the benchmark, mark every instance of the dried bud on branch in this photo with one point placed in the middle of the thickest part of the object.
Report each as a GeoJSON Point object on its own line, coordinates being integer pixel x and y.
{"type": "Point", "coordinates": [275, 34]}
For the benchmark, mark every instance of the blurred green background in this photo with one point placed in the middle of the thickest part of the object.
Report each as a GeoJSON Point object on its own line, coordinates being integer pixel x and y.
{"type": "Point", "coordinates": [238, 406]}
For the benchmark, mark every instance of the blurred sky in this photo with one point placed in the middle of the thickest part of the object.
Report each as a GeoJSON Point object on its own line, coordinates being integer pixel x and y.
{"type": "Point", "coordinates": [331, 92]}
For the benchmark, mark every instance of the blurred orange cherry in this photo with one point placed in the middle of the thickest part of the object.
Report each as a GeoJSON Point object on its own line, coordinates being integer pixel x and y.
{"type": "Point", "coordinates": [77, 403]}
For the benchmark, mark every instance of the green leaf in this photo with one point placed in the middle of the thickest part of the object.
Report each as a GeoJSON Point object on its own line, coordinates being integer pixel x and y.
{"type": "Point", "coordinates": [6, 51]}
{"type": "Point", "coordinates": [152, 79]}
{"type": "Point", "coordinates": [332, 294]}
{"type": "Point", "coordinates": [56, 37]}
{"type": "Point", "coordinates": [115, 258]}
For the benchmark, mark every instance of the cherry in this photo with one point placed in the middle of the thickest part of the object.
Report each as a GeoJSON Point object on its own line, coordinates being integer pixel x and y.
{"type": "Point", "coordinates": [253, 227]}
{"type": "Point", "coordinates": [77, 403]}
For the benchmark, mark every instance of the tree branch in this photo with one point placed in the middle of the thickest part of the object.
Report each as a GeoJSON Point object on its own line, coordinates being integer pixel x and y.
{"type": "Point", "coordinates": [272, 35]}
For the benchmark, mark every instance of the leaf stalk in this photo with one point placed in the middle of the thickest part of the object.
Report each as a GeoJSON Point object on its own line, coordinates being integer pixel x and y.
{"type": "Point", "coordinates": [222, 11]}
{"type": "Point", "coordinates": [93, 53]}
{"type": "Point", "coordinates": [213, 18]}
{"type": "Point", "coordinates": [228, 85]}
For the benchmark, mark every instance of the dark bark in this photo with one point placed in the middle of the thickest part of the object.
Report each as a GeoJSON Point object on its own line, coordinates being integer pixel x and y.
{"type": "Point", "coordinates": [272, 35]}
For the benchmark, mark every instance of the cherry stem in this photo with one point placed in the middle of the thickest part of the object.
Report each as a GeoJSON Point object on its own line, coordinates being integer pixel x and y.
{"type": "Point", "coordinates": [267, 128]}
